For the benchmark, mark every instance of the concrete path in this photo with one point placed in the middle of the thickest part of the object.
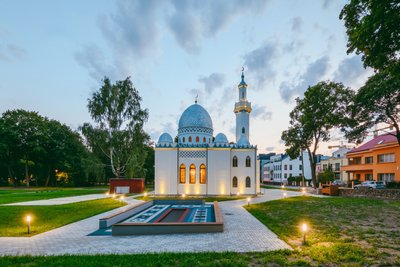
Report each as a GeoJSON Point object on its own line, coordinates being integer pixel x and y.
{"type": "Point", "coordinates": [242, 233]}
{"type": "Point", "coordinates": [58, 201]}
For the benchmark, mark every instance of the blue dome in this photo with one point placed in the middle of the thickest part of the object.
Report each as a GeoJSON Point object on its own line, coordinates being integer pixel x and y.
{"type": "Point", "coordinates": [165, 138]}
{"type": "Point", "coordinates": [195, 116]}
{"type": "Point", "coordinates": [221, 139]}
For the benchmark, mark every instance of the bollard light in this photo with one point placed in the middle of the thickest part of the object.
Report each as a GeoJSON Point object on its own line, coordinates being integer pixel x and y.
{"type": "Point", "coordinates": [238, 193]}
{"type": "Point", "coordinates": [145, 194]}
{"type": "Point", "coordinates": [248, 201]}
{"type": "Point", "coordinates": [304, 230]}
{"type": "Point", "coordinates": [283, 186]}
{"type": "Point", "coordinates": [303, 191]}
{"type": "Point", "coordinates": [28, 220]}
{"type": "Point", "coordinates": [183, 195]}
{"type": "Point", "coordinates": [113, 195]}
{"type": "Point", "coordinates": [107, 194]}
{"type": "Point", "coordinates": [122, 198]}
{"type": "Point", "coordinates": [285, 195]}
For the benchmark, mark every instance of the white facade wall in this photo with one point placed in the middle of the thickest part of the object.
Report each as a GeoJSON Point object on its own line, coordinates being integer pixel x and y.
{"type": "Point", "coordinates": [166, 160]}
{"type": "Point", "coordinates": [242, 172]}
{"type": "Point", "coordinates": [219, 171]}
{"type": "Point", "coordinates": [187, 187]}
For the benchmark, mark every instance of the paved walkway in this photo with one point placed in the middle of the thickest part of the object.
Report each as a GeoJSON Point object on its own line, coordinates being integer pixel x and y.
{"type": "Point", "coordinates": [58, 201]}
{"type": "Point", "coordinates": [242, 233]}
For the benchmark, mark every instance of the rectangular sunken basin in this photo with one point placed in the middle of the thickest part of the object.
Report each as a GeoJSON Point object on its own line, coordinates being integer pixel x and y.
{"type": "Point", "coordinates": [166, 217]}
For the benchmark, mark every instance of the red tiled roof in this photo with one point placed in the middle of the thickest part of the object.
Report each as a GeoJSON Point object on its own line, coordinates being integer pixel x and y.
{"type": "Point", "coordinates": [379, 140]}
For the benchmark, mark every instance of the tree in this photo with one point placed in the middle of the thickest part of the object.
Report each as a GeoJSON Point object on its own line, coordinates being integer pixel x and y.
{"type": "Point", "coordinates": [373, 31]}
{"type": "Point", "coordinates": [119, 133]}
{"type": "Point", "coordinates": [323, 107]}
{"type": "Point", "coordinates": [378, 101]}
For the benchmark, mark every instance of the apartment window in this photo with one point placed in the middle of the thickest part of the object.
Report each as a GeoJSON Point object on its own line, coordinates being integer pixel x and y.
{"type": "Point", "coordinates": [386, 177]}
{"type": "Point", "coordinates": [290, 167]}
{"type": "Point", "coordinates": [385, 158]}
{"type": "Point", "coordinates": [300, 167]}
{"type": "Point", "coordinates": [368, 177]}
{"type": "Point", "coordinates": [285, 167]}
{"type": "Point", "coordinates": [337, 167]}
{"type": "Point", "coordinates": [369, 160]}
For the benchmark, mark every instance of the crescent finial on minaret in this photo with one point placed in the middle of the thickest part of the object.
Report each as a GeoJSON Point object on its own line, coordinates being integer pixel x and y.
{"type": "Point", "coordinates": [195, 100]}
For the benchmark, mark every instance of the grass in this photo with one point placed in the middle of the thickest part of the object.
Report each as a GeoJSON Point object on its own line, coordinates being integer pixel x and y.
{"type": "Point", "coordinates": [45, 218]}
{"type": "Point", "coordinates": [21, 195]}
{"type": "Point", "coordinates": [280, 188]}
{"type": "Point", "coordinates": [343, 231]}
{"type": "Point", "coordinates": [206, 199]}
{"type": "Point", "coordinates": [227, 259]}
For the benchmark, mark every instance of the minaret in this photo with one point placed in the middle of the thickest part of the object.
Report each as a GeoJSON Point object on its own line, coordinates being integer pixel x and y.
{"type": "Point", "coordinates": [242, 111]}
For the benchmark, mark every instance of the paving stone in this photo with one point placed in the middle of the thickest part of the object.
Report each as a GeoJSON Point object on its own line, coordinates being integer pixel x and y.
{"type": "Point", "coordinates": [242, 233]}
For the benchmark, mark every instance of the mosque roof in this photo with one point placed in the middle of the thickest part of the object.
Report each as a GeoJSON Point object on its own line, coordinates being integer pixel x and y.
{"type": "Point", "coordinates": [165, 138]}
{"type": "Point", "coordinates": [195, 116]}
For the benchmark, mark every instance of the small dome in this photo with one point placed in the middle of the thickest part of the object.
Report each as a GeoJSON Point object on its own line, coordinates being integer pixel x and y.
{"type": "Point", "coordinates": [221, 139]}
{"type": "Point", "coordinates": [195, 116]}
{"type": "Point", "coordinates": [243, 141]}
{"type": "Point", "coordinates": [165, 138]}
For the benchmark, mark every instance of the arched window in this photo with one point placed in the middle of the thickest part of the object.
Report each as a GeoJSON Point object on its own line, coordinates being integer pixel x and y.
{"type": "Point", "coordinates": [203, 173]}
{"type": "Point", "coordinates": [197, 139]}
{"type": "Point", "coordinates": [204, 139]}
{"type": "Point", "coordinates": [243, 130]}
{"type": "Point", "coordinates": [242, 94]}
{"type": "Point", "coordinates": [182, 174]}
{"type": "Point", "coordinates": [234, 182]}
{"type": "Point", "coordinates": [183, 139]}
{"type": "Point", "coordinates": [192, 174]}
{"type": "Point", "coordinates": [248, 161]}
{"type": "Point", "coordinates": [248, 181]}
{"type": "Point", "coordinates": [190, 139]}
{"type": "Point", "coordinates": [234, 161]}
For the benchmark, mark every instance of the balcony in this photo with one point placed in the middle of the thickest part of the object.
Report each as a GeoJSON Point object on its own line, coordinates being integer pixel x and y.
{"type": "Point", "coordinates": [242, 106]}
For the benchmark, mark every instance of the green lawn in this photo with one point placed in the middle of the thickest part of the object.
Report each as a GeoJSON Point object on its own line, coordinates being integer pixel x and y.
{"type": "Point", "coordinates": [280, 188]}
{"type": "Point", "coordinates": [21, 195]}
{"type": "Point", "coordinates": [206, 199]}
{"type": "Point", "coordinates": [343, 231]}
{"type": "Point", "coordinates": [45, 218]}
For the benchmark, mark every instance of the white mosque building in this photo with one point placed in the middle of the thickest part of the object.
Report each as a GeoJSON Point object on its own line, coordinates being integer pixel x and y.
{"type": "Point", "coordinates": [201, 164]}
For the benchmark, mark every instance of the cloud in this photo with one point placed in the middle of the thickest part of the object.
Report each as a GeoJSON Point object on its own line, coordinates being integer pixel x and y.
{"type": "Point", "coordinates": [212, 81]}
{"type": "Point", "coordinates": [351, 72]}
{"type": "Point", "coordinates": [313, 74]}
{"type": "Point", "coordinates": [11, 52]}
{"type": "Point", "coordinates": [93, 59]}
{"type": "Point", "coordinates": [260, 62]}
{"type": "Point", "coordinates": [297, 24]}
{"type": "Point", "coordinates": [261, 112]}
{"type": "Point", "coordinates": [194, 20]}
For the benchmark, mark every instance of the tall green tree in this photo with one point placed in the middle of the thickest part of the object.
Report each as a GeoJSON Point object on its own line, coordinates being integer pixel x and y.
{"type": "Point", "coordinates": [323, 108]}
{"type": "Point", "coordinates": [376, 102]}
{"type": "Point", "coordinates": [118, 132]}
{"type": "Point", "coordinates": [373, 30]}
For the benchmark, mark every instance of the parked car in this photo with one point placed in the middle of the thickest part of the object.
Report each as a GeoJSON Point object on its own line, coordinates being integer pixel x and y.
{"type": "Point", "coordinates": [370, 185]}
{"type": "Point", "coordinates": [339, 183]}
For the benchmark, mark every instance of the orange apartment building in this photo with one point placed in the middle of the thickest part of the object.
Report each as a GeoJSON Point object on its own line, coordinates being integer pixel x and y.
{"type": "Point", "coordinates": [378, 159]}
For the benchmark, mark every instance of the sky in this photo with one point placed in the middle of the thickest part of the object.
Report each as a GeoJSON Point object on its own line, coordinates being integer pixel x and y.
{"type": "Point", "coordinates": [54, 55]}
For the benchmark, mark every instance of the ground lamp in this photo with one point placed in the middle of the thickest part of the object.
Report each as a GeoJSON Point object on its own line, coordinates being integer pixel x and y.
{"type": "Point", "coordinates": [304, 230]}
{"type": "Point", "coordinates": [107, 194]}
{"type": "Point", "coordinates": [145, 194]}
{"type": "Point", "coordinates": [303, 191]}
{"type": "Point", "coordinates": [122, 198]}
{"type": "Point", "coordinates": [183, 195]}
{"type": "Point", "coordinates": [285, 195]}
{"type": "Point", "coordinates": [248, 201]}
{"type": "Point", "coordinates": [283, 186]}
{"type": "Point", "coordinates": [113, 195]}
{"type": "Point", "coordinates": [28, 220]}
